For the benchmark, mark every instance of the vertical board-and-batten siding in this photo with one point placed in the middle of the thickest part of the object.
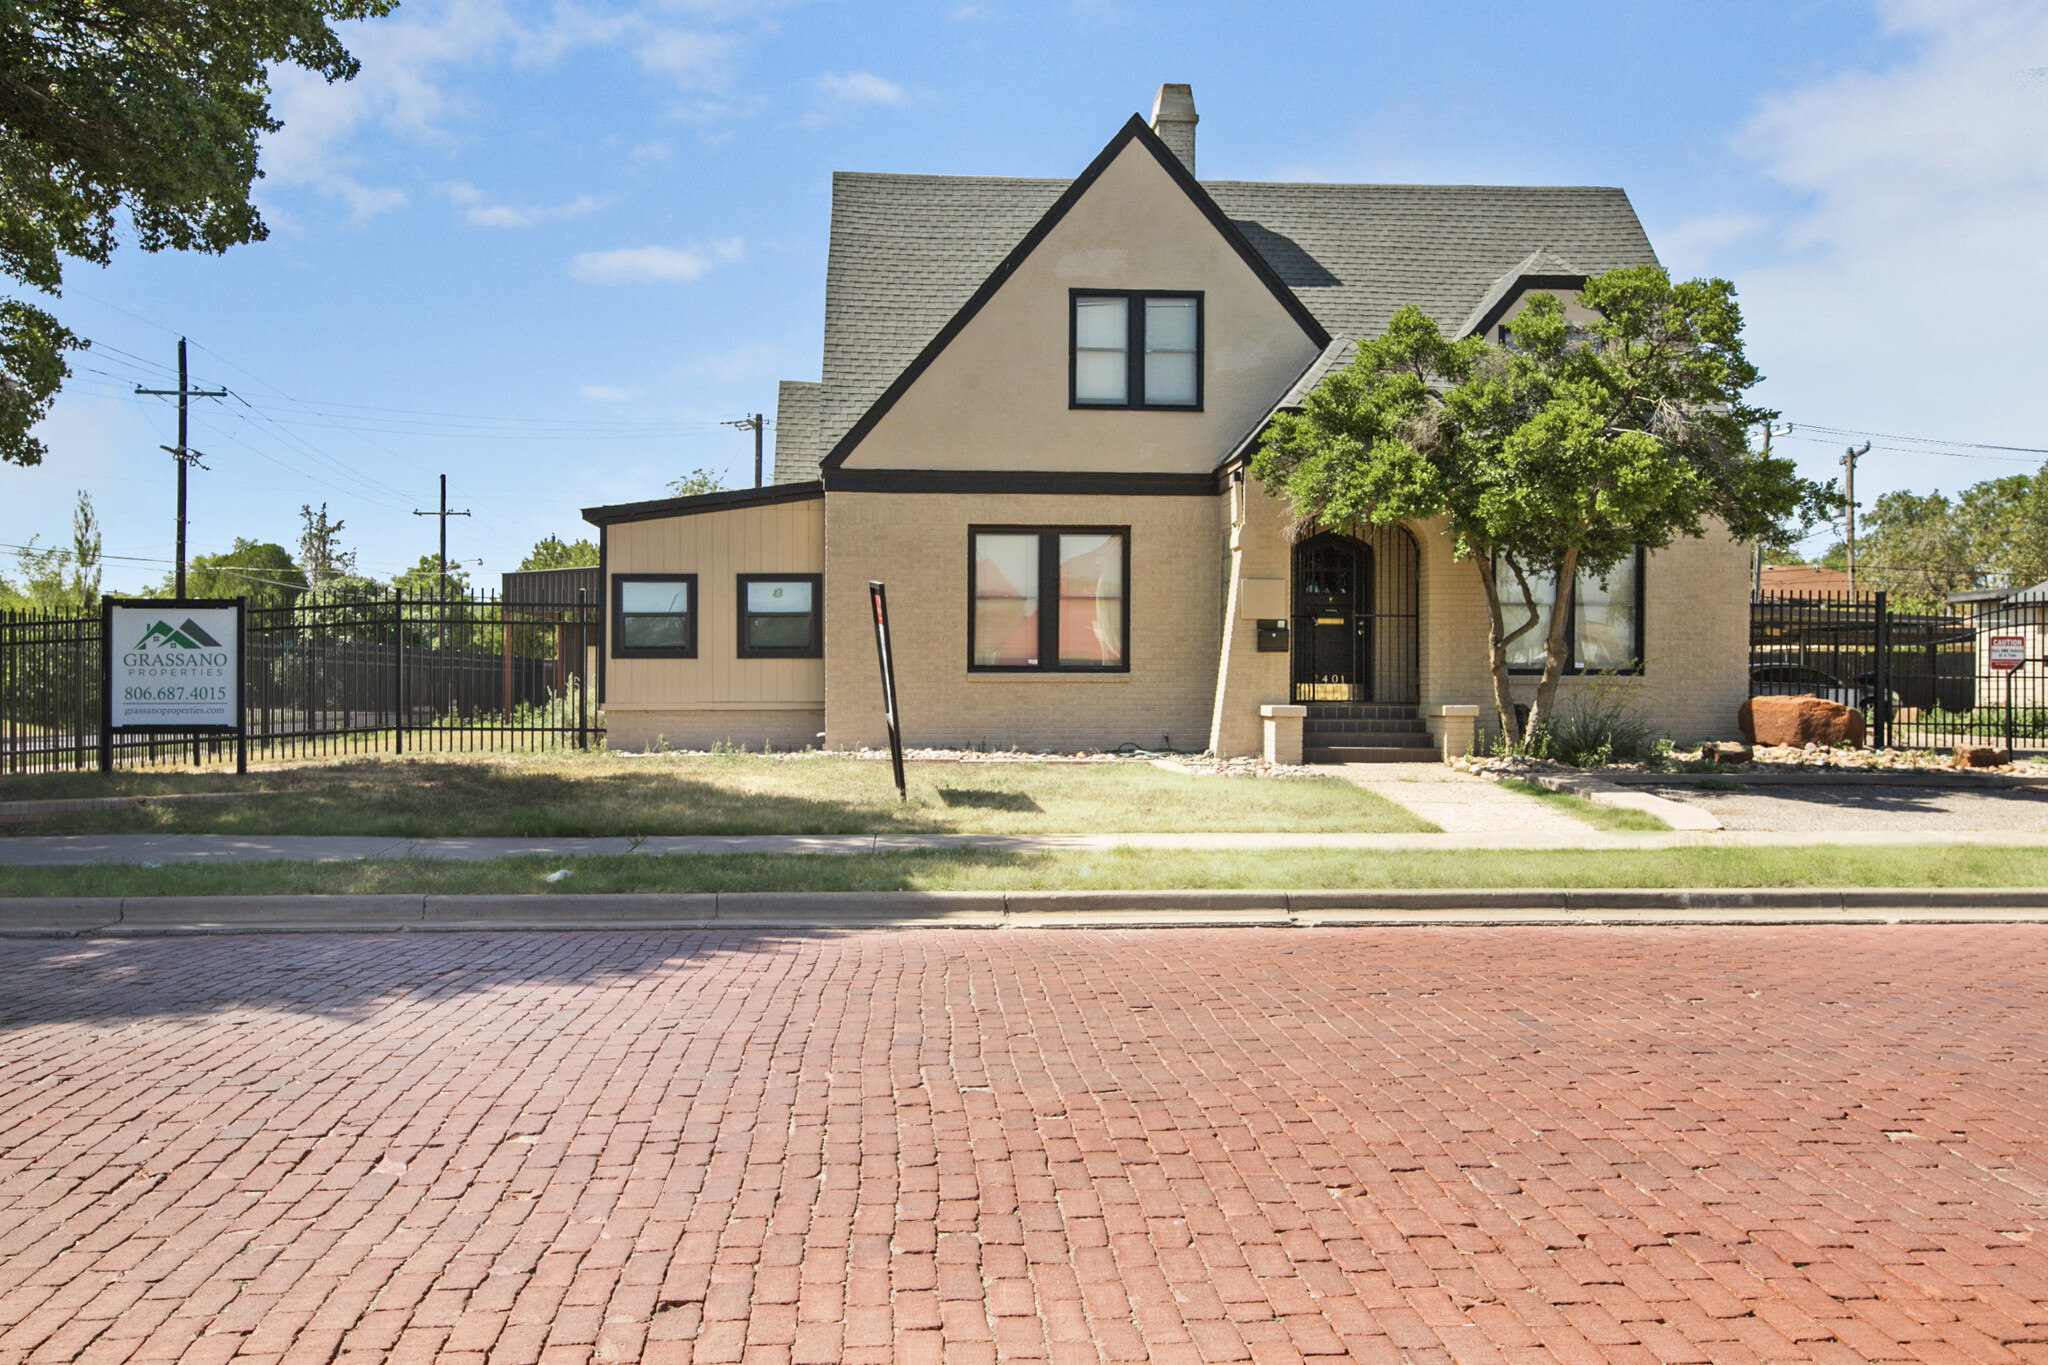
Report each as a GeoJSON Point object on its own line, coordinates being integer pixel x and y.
{"type": "Point", "coordinates": [787, 537]}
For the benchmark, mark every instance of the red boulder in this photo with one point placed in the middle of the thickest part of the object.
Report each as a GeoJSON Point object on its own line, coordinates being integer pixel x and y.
{"type": "Point", "coordinates": [1799, 721]}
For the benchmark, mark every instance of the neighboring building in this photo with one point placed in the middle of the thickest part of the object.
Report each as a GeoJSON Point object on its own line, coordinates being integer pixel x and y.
{"type": "Point", "coordinates": [1802, 580]}
{"type": "Point", "coordinates": [1037, 405]}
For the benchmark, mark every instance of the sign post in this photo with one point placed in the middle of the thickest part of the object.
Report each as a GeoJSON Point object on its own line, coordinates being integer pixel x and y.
{"type": "Point", "coordinates": [879, 597]}
{"type": "Point", "coordinates": [173, 667]}
{"type": "Point", "coordinates": [2006, 654]}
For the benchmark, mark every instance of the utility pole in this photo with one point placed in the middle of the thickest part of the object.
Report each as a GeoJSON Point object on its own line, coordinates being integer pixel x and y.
{"type": "Point", "coordinates": [755, 423]}
{"type": "Point", "coordinates": [1756, 586]}
{"type": "Point", "coordinates": [1849, 460]}
{"type": "Point", "coordinates": [183, 452]}
{"type": "Point", "coordinates": [443, 514]}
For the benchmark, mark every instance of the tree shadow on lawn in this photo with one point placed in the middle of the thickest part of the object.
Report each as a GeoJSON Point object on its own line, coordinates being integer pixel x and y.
{"type": "Point", "coordinates": [427, 799]}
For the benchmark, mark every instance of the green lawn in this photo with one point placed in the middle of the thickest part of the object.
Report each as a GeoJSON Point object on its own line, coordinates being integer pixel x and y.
{"type": "Point", "coordinates": [561, 794]}
{"type": "Point", "coordinates": [1592, 812]}
{"type": "Point", "coordinates": [1134, 869]}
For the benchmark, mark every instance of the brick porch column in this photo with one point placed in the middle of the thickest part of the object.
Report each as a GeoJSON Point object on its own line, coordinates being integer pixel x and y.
{"type": "Point", "coordinates": [1283, 733]}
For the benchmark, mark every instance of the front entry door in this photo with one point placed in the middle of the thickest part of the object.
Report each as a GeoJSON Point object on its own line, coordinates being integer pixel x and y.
{"type": "Point", "coordinates": [1332, 619]}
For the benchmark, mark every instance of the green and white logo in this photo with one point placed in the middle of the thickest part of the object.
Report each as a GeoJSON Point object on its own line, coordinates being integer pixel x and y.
{"type": "Point", "coordinates": [163, 635]}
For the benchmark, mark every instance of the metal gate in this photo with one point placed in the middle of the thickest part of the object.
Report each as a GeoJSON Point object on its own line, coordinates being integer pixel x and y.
{"type": "Point", "coordinates": [1356, 617]}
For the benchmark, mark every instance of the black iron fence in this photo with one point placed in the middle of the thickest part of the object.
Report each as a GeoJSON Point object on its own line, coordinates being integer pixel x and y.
{"type": "Point", "coordinates": [391, 674]}
{"type": "Point", "coordinates": [1923, 679]}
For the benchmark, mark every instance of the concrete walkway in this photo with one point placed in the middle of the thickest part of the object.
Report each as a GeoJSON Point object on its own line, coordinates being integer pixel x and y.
{"type": "Point", "coordinates": [77, 850]}
{"type": "Point", "coordinates": [1460, 803]}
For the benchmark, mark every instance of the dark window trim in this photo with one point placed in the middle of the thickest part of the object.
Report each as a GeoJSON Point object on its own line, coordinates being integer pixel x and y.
{"type": "Point", "coordinates": [686, 650]}
{"type": "Point", "coordinates": [1134, 348]}
{"type": "Point", "coordinates": [814, 650]}
{"type": "Point", "coordinates": [1572, 667]}
{"type": "Point", "coordinates": [1048, 592]}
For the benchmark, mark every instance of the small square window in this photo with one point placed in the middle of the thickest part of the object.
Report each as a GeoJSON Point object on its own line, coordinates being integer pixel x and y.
{"type": "Point", "coordinates": [654, 616]}
{"type": "Point", "coordinates": [1133, 349]}
{"type": "Point", "coordinates": [779, 617]}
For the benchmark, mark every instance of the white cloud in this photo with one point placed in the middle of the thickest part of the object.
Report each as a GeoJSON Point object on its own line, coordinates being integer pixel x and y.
{"type": "Point", "coordinates": [1688, 249]}
{"type": "Point", "coordinates": [479, 211]}
{"type": "Point", "coordinates": [1906, 294]}
{"type": "Point", "coordinates": [654, 264]}
{"type": "Point", "coordinates": [608, 393]}
{"type": "Point", "coordinates": [863, 87]}
{"type": "Point", "coordinates": [696, 60]}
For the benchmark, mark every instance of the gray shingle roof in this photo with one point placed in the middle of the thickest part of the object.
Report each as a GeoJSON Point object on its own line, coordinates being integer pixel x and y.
{"type": "Point", "coordinates": [907, 251]}
{"type": "Point", "coordinates": [796, 430]}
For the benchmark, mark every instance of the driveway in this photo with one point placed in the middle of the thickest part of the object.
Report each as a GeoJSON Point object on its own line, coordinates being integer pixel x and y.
{"type": "Point", "coordinates": [1425, 1145]}
{"type": "Point", "coordinates": [1868, 808]}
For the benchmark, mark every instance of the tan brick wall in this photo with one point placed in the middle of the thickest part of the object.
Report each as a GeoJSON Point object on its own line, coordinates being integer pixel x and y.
{"type": "Point", "coordinates": [638, 731]}
{"type": "Point", "coordinates": [917, 544]}
{"type": "Point", "coordinates": [1695, 639]}
{"type": "Point", "coordinates": [1247, 679]}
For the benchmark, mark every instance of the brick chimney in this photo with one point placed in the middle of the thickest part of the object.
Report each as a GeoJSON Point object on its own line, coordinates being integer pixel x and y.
{"type": "Point", "coordinates": [1174, 119]}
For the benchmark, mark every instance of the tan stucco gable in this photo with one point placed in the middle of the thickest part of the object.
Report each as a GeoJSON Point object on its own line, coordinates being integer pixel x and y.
{"type": "Point", "coordinates": [994, 396]}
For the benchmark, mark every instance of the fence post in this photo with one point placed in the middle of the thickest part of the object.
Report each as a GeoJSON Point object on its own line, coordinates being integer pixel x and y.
{"type": "Point", "coordinates": [106, 690]}
{"type": "Point", "coordinates": [1882, 703]}
{"type": "Point", "coordinates": [398, 664]}
{"type": "Point", "coordinates": [582, 667]}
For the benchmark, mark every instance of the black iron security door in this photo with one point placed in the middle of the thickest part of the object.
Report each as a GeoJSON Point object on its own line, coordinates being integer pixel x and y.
{"type": "Point", "coordinates": [1332, 619]}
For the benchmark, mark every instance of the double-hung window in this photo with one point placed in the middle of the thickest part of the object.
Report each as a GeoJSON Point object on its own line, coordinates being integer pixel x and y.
{"type": "Point", "coordinates": [779, 616]}
{"type": "Point", "coordinates": [1136, 350]}
{"type": "Point", "coordinates": [654, 616]}
{"type": "Point", "coordinates": [1606, 628]}
{"type": "Point", "coordinates": [1048, 599]}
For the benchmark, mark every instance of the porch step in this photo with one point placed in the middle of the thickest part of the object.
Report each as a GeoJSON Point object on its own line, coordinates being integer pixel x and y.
{"type": "Point", "coordinates": [1416, 753]}
{"type": "Point", "coordinates": [1355, 732]}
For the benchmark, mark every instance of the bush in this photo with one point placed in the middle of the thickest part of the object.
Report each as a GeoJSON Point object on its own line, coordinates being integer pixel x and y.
{"type": "Point", "coordinates": [1597, 724]}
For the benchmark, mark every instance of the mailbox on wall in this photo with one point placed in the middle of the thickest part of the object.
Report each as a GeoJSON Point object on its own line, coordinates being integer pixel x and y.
{"type": "Point", "coordinates": [1273, 636]}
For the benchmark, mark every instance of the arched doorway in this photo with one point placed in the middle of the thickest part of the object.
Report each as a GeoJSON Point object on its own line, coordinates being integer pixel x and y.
{"type": "Point", "coordinates": [1356, 618]}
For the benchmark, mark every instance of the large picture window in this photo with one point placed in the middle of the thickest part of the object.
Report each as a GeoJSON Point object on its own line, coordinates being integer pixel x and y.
{"type": "Point", "coordinates": [654, 616]}
{"type": "Point", "coordinates": [779, 616]}
{"type": "Point", "coordinates": [1048, 599]}
{"type": "Point", "coordinates": [1136, 350]}
{"type": "Point", "coordinates": [1606, 629]}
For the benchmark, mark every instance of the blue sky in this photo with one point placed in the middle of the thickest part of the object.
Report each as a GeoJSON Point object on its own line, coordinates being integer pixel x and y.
{"type": "Point", "coordinates": [547, 249]}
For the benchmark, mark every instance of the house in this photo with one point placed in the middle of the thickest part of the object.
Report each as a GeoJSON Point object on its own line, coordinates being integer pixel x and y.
{"type": "Point", "coordinates": [1037, 404]}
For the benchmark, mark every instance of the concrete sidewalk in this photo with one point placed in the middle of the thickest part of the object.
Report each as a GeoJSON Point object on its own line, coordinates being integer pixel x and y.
{"type": "Point", "coordinates": [156, 916]}
{"type": "Point", "coordinates": [81, 850]}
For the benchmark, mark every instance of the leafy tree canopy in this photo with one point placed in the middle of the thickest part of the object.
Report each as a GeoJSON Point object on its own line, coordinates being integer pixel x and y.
{"type": "Point", "coordinates": [1558, 453]}
{"type": "Point", "coordinates": [424, 579]}
{"type": "Point", "coordinates": [1918, 547]}
{"type": "Point", "coordinates": [60, 578]}
{"type": "Point", "coordinates": [256, 569]}
{"type": "Point", "coordinates": [554, 553]}
{"type": "Point", "coordinates": [695, 482]}
{"type": "Point", "coordinates": [143, 110]}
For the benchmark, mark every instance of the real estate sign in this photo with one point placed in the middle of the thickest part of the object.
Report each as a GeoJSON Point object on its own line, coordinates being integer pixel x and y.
{"type": "Point", "coordinates": [2007, 652]}
{"type": "Point", "coordinates": [174, 665]}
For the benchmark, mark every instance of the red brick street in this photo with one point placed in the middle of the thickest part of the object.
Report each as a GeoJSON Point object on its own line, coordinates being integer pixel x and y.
{"type": "Point", "coordinates": [1577, 1145]}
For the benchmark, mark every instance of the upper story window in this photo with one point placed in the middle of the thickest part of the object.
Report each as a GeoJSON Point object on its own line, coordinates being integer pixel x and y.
{"type": "Point", "coordinates": [1136, 349]}
{"type": "Point", "coordinates": [654, 616]}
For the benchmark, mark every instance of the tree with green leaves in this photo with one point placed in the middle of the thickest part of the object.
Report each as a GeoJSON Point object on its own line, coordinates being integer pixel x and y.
{"type": "Point", "coordinates": [555, 553]}
{"type": "Point", "coordinates": [321, 556]}
{"type": "Point", "coordinates": [60, 578]}
{"type": "Point", "coordinates": [1548, 458]}
{"type": "Point", "coordinates": [424, 579]}
{"type": "Point", "coordinates": [146, 112]}
{"type": "Point", "coordinates": [256, 569]}
{"type": "Point", "coordinates": [696, 483]}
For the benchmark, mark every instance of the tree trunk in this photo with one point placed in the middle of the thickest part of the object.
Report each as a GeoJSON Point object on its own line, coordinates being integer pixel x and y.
{"type": "Point", "coordinates": [1498, 638]}
{"type": "Point", "coordinates": [1556, 646]}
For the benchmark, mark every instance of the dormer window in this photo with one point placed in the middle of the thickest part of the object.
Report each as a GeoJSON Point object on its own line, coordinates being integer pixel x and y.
{"type": "Point", "coordinates": [1136, 349]}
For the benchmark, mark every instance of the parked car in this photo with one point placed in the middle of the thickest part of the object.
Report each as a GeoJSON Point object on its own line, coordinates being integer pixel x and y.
{"type": "Point", "coordinates": [1798, 680]}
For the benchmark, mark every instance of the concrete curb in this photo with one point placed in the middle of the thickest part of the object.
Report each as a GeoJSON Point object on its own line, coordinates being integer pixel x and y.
{"type": "Point", "coordinates": [146, 916]}
{"type": "Point", "coordinates": [1676, 814]}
